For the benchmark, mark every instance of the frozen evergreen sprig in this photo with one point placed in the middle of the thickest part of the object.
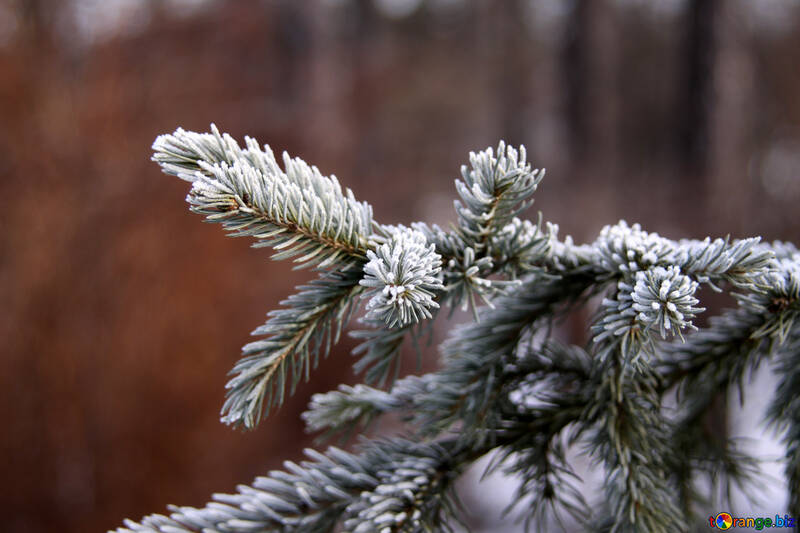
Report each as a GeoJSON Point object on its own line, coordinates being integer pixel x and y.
{"type": "Point", "coordinates": [411, 494]}
{"type": "Point", "coordinates": [296, 210]}
{"type": "Point", "coordinates": [314, 495]}
{"type": "Point", "coordinates": [721, 357]}
{"type": "Point", "coordinates": [519, 247]}
{"type": "Point", "coordinates": [735, 262]}
{"type": "Point", "coordinates": [635, 399]}
{"type": "Point", "coordinates": [297, 336]}
{"type": "Point", "coordinates": [402, 280]}
{"type": "Point", "coordinates": [664, 299]}
{"type": "Point", "coordinates": [494, 188]}
{"type": "Point", "coordinates": [629, 430]}
{"type": "Point", "coordinates": [379, 350]}
{"type": "Point", "coordinates": [628, 434]}
{"type": "Point", "coordinates": [777, 291]}
{"type": "Point", "coordinates": [350, 406]}
{"type": "Point", "coordinates": [628, 249]}
{"type": "Point", "coordinates": [784, 416]}
{"type": "Point", "coordinates": [618, 319]}
{"type": "Point", "coordinates": [624, 250]}
{"type": "Point", "coordinates": [468, 277]}
{"type": "Point", "coordinates": [564, 255]}
{"type": "Point", "coordinates": [471, 386]}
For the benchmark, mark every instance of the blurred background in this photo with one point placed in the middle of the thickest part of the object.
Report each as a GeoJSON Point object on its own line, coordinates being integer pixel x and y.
{"type": "Point", "coordinates": [122, 313]}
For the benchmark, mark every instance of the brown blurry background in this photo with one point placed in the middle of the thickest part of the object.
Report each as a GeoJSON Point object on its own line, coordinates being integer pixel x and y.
{"type": "Point", "coordinates": [122, 313]}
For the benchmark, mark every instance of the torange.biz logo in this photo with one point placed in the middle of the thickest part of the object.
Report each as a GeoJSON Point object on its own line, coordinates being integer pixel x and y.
{"type": "Point", "coordinates": [727, 521]}
{"type": "Point", "coordinates": [722, 521]}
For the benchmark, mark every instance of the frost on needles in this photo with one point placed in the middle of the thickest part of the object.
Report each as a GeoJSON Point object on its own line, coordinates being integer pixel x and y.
{"type": "Point", "coordinates": [633, 399]}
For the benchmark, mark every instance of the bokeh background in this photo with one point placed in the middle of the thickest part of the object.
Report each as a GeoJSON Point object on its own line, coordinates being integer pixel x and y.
{"type": "Point", "coordinates": [122, 313]}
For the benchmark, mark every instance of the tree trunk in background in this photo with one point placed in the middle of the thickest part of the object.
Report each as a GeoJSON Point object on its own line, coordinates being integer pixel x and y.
{"type": "Point", "coordinates": [731, 122]}
{"type": "Point", "coordinates": [293, 39]}
{"type": "Point", "coordinates": [363, 37]}
{"type": "Point", "coordinates": [589, 72]}
{"type": "Point", "coordinates": [575, 60]}
{"type": "Point", "coordinates": [510, 45]}
{"type": "Point", "coordinates": [697, 93]}
{"type": "Point", "coordinates": [591, 104]}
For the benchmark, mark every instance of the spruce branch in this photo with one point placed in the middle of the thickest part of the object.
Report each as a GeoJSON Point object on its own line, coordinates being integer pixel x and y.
{"type": "Point", "coordinates": [380, 347]}
{"type": "Point", "coordinates": [412, 495]}
{"type": "Point", "coordinates": [548, 390]}
{"type": "Point", "coordinates": [520, 247]}
{"type": "Point", "coordinates": [310, 323]}
{"type": "Point", "coordinates": [629, 428]}
{"type": "Point", "coordinates": [784, 415]}
{"type": "Point", "coordinates": [566, 256]}
{"type": "Point", "coordinates": [309, 497]}
{"type": "Point", "coordinates": [649, 295]}
{"type": "Point", "coordinates": [505, 384]}
{"type": "Point", "coordinates": [494, 189]}
{"type": "Point", "coordinates": [296, 210]}
{"type": "Point", "coordinates": [471, 378]}
{"type": "Point", "coordinates": [721, 356]}
{"type": "Point", "coordinates": [350, 406]}
{"type": "Point", "coordinates": [623, 249]}
{"type": "Point", "coordinates": [660, 298]}
{"type": "Point", "coordinates": [390, 485]}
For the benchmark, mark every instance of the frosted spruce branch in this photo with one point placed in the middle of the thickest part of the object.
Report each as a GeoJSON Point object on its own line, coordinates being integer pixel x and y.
{"type": "Point", "coordinates": [296, 210]}
{"type": "Point", "coordinates": [722, 356]}
{"type": "Point", "coordinates": [635, 398]}
{"type": "Point", "coordinates": [298, 335]}
{"type": "Point", "coordinates": [630, 434]}
{"type": "Point", "coordinates": [494, 188]}
{"type": "Point", "coordinates": [395, 485]}
{"type": "Point", "coordinates": [308, 217]}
